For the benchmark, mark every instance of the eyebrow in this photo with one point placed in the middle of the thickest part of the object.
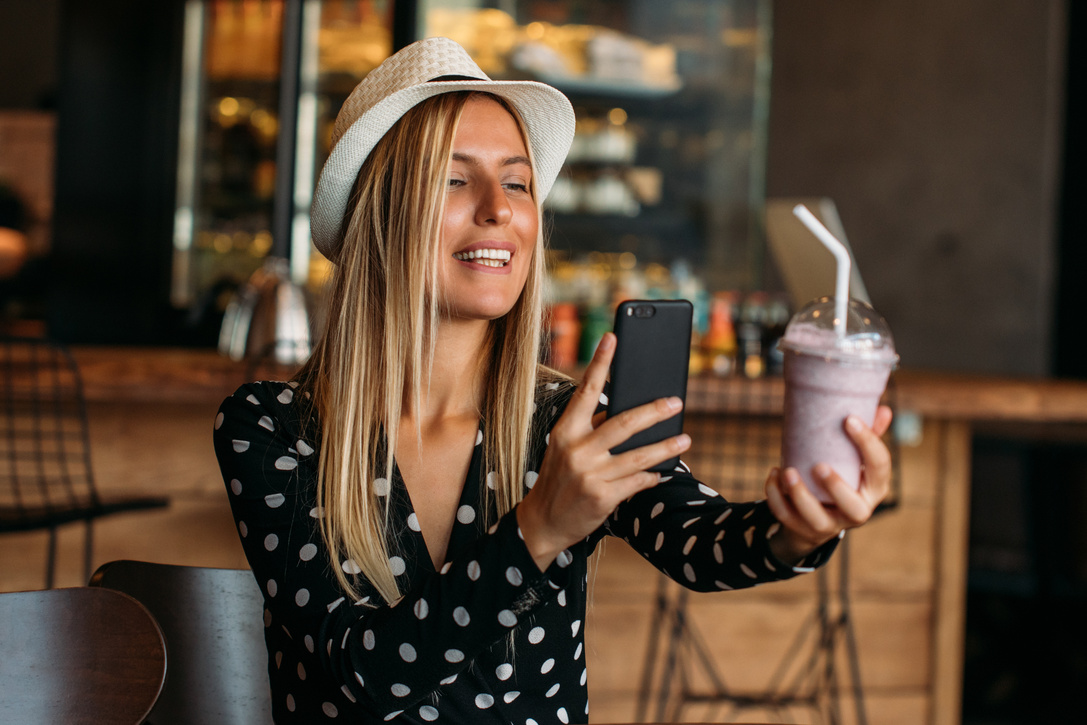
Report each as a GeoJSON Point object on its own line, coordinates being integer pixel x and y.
{"type": "Point", "coordinates": [510, 161]}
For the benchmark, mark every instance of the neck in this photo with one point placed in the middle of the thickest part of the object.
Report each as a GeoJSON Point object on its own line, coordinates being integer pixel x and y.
{"type": "Point", "coordinates": [456, 382]}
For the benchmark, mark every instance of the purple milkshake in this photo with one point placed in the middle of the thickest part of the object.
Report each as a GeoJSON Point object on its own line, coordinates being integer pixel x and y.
{"type": "Point", "coordinates": [829, 376]}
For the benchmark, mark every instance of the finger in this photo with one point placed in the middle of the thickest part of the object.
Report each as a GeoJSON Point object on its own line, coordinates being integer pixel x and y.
{"type": "Point", "coordinates": [851, 507]}
{"type": "Point", "coordinates": [780, 506]}
{"type": "Point", "coordinates": [874, 454]}
{"type": "Point", "coordinates": [882, 421]}
{"type": "Point", "coordinates": [645, 457]}
{"type": "Point", "coordinates": [619, 428]}
{"type": "Point", "coordinates": [809, 509]}
{"type": "Point", "coordinates": [599, 418]}
{"type": "Point", "coordinates": [587, 396]}
{"type": "Point", "coordinates": [627, 486]}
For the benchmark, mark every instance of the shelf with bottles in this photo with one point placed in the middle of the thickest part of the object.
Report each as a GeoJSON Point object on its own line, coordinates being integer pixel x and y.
{"type": "Point", "coordinates": [734, 333]}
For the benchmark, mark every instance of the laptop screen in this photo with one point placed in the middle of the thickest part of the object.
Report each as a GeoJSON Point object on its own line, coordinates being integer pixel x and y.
{"type": "Point", "coordinates": [807, 268]}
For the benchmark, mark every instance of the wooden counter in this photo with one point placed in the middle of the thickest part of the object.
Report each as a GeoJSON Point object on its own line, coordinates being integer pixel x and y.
{"type": "Point", "coordinates": [151, 420]}
{"type": "Point", "coordinates": [173, 375]}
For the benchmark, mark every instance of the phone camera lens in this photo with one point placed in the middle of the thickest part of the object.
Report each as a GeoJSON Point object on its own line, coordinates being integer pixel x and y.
{"type": "Point", "coordinates": [644, 311]}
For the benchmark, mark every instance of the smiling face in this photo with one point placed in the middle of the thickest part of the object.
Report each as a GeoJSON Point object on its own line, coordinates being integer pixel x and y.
{"type": "Point", "coordinates": [491, 222]}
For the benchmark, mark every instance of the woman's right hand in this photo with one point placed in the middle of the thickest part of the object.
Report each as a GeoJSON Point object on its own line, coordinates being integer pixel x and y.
{"type": "Point", "coordinates": [580, 482]}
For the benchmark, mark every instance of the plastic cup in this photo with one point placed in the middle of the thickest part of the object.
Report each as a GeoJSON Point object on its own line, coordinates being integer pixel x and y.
{"type": "Point", "coordinates": [829, 377]}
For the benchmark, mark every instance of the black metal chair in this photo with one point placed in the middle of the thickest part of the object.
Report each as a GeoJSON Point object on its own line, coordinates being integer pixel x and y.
{"type": "Point", "coordinates": [214, 629]}
{"type": "Point", "coordinates": [46, 478]}
{"type": "Point", "coordinates": [732, 453]}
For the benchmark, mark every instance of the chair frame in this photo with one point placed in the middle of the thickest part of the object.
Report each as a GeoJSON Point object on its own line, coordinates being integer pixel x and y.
{"type": "Point", "coordinates": [78, 656]}
{"type": "Point", "coordinates": [807, 675]}
{"type": "Point", "coordinates": [212, 623]}
{"type": "Point", "coordinates": [46, 474]}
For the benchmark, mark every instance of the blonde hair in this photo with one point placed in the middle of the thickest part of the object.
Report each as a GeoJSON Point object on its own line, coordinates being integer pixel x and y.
{"type": "Point", "coordinates": [379, 344]}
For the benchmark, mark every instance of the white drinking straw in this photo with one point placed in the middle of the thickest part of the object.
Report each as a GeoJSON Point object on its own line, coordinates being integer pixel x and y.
{"type": "Point", "coordinates": [841, 255]}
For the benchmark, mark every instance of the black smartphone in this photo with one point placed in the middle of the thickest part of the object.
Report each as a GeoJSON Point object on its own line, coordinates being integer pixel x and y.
{"type": "Point", "coordinates": [651, 359]}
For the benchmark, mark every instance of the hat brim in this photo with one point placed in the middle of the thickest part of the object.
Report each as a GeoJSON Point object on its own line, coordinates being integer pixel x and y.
{"type": "Point", "coordinates": [546, 112]}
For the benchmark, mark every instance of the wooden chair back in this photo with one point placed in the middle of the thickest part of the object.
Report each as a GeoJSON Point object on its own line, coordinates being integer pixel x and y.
{"type": "Point", "coordinates": [212, 620]}
{"type": "Point", "coordinates": [76, 656]}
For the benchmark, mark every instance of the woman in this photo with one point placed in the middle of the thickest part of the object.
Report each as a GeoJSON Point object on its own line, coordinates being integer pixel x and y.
{"type": "Point", "coordinates": [420, 503]}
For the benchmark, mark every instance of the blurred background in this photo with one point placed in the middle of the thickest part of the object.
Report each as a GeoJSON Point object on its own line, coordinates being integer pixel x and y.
{"type": "Point", "coordinates": [155, 156]}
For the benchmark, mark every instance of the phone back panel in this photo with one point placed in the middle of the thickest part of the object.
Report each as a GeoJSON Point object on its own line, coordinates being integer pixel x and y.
{"type": "Point", "coordinates": [651, 362]}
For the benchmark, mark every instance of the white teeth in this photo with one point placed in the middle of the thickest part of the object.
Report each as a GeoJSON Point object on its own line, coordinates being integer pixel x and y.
{"type": "Point", "coordinates": [487, 257]}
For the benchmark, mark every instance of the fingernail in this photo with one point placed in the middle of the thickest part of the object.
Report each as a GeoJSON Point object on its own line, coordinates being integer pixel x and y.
{"type": "Point", "coordinates": [853, 424]}
{"type": "Point", "coordinates": [607, 341]}
{"type": "Point", "coordinates": [683, 439]}
{"type": "Point", "coordinates": [821, 470]}
{"type": "Point", "coordinates": [791, 476]}
{"type": "Point", "coordinates": [674, 403]}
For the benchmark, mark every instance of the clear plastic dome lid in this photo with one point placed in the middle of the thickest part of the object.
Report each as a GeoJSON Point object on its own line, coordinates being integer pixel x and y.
{"type": "Point", "coordinates": [867, 336]}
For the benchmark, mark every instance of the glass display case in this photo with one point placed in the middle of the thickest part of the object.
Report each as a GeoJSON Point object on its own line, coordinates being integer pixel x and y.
{"type": "Point", "coordinates": [671, 100]}
{"type": "Point", "coordinates": [232, 158]}
{"type": "Point", "coordinates": [666, 173]}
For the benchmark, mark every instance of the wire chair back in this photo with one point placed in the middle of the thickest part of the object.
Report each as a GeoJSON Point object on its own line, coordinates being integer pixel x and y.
{"type": "Point", "coordinates": [736, 427]}
{"type": "Point", "coordinates": [46, 476]}
{"type": "Point", "coordinates": [45, 463]}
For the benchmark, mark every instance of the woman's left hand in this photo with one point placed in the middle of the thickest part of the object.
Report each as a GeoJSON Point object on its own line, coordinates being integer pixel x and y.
{"type": "Point", "coordinates": [806, 522]}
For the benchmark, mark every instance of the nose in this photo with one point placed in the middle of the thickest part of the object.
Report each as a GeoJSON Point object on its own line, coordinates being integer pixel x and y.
{"type": "Point", "coordinates": [493, 206]}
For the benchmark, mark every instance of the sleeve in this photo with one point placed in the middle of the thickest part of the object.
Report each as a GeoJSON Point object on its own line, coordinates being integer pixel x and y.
{"type": "Point", "coordinates": [702, 541]}
{"type": "Point", "coordinates": [699, 539]}
{"type": "Point", "coordinates": [385, 657]}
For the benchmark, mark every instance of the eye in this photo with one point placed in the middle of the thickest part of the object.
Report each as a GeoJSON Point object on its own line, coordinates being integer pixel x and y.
{"type": "Point", "coordinates": [456, 182]}
{"type": "Point", "coordinates": [516, 186]}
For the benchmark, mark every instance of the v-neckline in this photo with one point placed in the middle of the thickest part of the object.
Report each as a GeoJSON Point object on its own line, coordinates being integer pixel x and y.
{"type": "Point", "coordinates": [461, 533]}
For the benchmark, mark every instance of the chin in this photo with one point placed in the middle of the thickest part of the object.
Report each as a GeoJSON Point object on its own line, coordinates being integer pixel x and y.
{"type": "Point", "coordinates": [478, 310]}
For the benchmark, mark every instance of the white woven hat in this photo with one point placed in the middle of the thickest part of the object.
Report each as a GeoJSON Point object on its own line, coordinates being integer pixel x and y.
{"type": "Point", "coordinates": [423, 69]}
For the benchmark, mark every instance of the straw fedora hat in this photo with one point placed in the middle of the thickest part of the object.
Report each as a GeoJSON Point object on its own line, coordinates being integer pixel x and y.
{"type": "Point", "coordinates": [415, 73]}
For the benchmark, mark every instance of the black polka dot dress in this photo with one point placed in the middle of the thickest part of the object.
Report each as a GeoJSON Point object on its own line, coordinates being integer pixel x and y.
{"type": "Point", "coordinates": [487, 638]}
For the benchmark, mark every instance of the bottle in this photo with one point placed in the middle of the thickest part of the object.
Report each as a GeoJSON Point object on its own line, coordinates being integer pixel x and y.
{"type": "Point", "coordinates": [749, 331]}
{"type": "Point", "coordinates": [777, 317]}
{"type": "Point", "coordinates": [595, 323]}
{"type": "Point", "coordinates": [719, 342]}
{"type": "Point", "coordinates": [565, 336]}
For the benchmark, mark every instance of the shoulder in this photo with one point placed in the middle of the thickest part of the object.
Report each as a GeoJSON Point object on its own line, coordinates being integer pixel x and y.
{"type": "Point", "coordinates": [267, 404]}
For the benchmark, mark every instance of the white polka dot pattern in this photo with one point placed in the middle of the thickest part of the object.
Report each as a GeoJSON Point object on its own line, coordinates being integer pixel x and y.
{"type": "Point", "coordinates": [450, 630]}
